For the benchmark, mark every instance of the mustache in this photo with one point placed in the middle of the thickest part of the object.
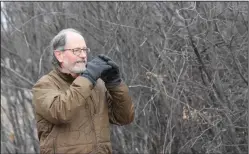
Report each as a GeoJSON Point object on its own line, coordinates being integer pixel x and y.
{"type": "Point", "coordinates": [80, 61]}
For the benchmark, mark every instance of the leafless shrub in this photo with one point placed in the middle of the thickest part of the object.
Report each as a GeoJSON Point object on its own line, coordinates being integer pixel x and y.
{"type": "Point", "coordinates": [185, 63]}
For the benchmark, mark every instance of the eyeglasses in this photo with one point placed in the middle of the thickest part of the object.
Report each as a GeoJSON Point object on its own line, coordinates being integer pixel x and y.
{"type": "Point", "coordinates": [77, 51]}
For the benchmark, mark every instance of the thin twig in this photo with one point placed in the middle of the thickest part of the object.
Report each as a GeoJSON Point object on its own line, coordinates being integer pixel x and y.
{"type": "Point", "coordinates": [16, 73]}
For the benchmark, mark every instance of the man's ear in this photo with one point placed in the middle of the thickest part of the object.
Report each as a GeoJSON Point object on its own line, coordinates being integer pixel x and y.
{"type": "Point", "coordinates": [59, 55]}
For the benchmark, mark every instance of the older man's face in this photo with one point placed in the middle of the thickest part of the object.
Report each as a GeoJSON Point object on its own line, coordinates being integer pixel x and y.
{"type": "Point", "coordinates": [74, 61]}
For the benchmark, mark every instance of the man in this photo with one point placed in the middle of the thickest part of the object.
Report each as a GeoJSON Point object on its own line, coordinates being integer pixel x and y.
{"type": "Point", "coordinates": [76, 101]}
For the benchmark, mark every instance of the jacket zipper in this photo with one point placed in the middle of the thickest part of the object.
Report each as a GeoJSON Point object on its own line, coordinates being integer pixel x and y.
{"type": "Point", "coordinates": [54, 147]}
{"type": "Point", "coordinates": [54, 143]}
{"type": "Point", "coordinates": [91, 114]}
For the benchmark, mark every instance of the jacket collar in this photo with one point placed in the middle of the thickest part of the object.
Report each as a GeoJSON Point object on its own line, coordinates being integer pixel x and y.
{"type": "Point", "coordinates": [66, 77]}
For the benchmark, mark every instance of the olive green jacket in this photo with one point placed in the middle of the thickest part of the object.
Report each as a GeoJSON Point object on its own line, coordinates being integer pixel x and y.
{"type": "Point", "coordinates": [74, 117]}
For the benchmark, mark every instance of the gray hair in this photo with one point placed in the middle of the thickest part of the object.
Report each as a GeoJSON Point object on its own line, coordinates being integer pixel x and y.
{"type": "Point", "coordinates": [59, 42]}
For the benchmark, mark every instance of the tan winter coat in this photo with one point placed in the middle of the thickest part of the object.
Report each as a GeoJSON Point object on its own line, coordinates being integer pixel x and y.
{"type": "Point", "coordinates": [73, 116]}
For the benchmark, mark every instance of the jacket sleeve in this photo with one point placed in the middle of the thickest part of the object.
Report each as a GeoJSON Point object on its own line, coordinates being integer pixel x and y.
{"type": "Point", "coordinates": [56, 106]}
{"type": "Point", "coordinates": [121, 108]}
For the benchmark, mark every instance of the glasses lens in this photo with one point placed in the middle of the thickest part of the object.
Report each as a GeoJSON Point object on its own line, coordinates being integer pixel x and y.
{"type": "Point", "coordinates": [86, 50]}
{"type": "Point", "coordinates": [77, 51]}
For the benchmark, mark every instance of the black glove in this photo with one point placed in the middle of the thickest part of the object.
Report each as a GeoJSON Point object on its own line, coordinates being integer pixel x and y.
{"type": "Point", "coordinates": [111, 77]}
{"type": "Point", "coordinates": [94, 69]}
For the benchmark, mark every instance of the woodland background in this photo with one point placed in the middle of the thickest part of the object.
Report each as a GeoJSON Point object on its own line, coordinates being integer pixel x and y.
{"type": "Point", "coordinates": [186, 64]}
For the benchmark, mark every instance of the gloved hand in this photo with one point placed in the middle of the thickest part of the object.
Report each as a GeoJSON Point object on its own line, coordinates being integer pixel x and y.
{"type": "Point", "coordinates": [94, 69]}
{"type": "Point", "coordinates": [111, 77]}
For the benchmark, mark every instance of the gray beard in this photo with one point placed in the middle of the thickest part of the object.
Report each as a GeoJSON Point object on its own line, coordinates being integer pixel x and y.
{"type": "Point", "coordinates": [77, 71]}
